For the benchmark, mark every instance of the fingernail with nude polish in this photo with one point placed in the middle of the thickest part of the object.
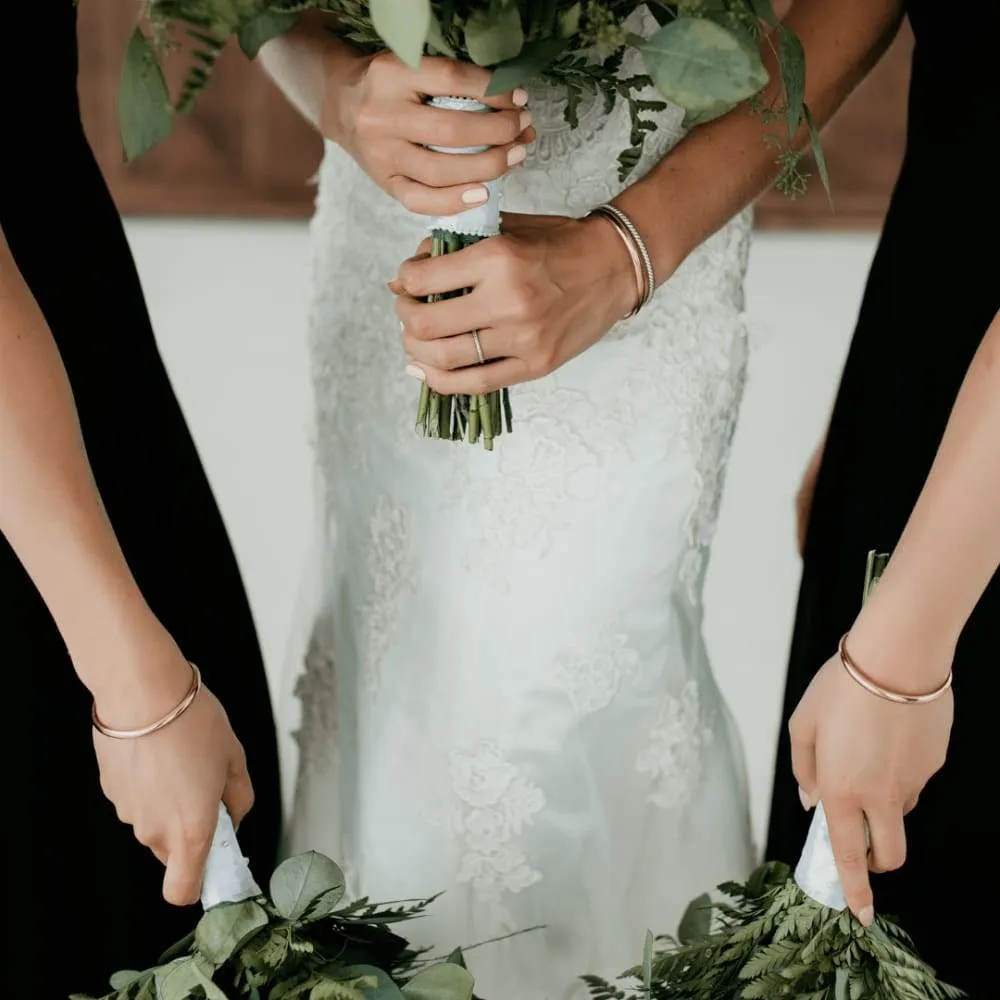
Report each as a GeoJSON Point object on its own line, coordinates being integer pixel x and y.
{"type": "Point", "coordinates": [807, 802]}
{"type": "Point", "coordinates": [525, 120]}
{"type": "Point", "coordinates": [520, 97]}
{"type": "Point", "coordinates": [475, 196]}
{"type": "Point", "coordinates": [516, 155]}
{"type": "Point", "coordinates": [867, 916]}
{"type": "Point", "coordinates": [414, 372]}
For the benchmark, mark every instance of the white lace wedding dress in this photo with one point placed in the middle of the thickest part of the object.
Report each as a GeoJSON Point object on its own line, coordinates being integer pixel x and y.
{"type": "Point", "coordinates": [507, 694]}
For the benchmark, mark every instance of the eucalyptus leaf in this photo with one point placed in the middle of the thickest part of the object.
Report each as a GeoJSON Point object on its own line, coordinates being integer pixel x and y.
{"type": "Point", "coordinates": [701, 66]}
{"type": "Point", "coordinates": [816, 146]}
{"type": "Point", "coordinates": [696, 924]}
{"type": "Point", "coordinates": [436, 39]}
{"type": "Point", "coordinates": [793, 78]}
{"type": "Point", "coordinates": [440, 982]}
{"type": "Point", "coordinates": [530, 63]}
{"type": "Point", "coordinates": [403, 25]}
{"type": "Point", "coordinates": [145, 117]}
{"type": "Point", "coordinates": [647, 962]}
{"type": "Point", "coordinates": [124, 979]}
{"type": "Point", "coordinates": [569, 21]}
{"type": "Point", "coordinates": [494, 34]}
{"type": "Point", "coordinates": [384, 988]}
{"type": "Point", "coordinates": [764, 9]}
{"type": "Point", "coordinates": [223, 930]}
{"type": "Point", "coordinates": [265, 26]}
{"type": "Point", "coordinates": [307, 886]}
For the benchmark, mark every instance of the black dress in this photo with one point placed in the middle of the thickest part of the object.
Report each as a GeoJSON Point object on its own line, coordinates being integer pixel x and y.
{"type": "Point", "coordinates": [83, 898]}
{"type": "Point", "coordinates": [933, 290]}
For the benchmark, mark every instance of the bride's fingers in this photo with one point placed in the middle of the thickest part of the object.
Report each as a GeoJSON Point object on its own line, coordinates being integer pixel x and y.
{"type": "Point", "coordinates": [474, 381]}
{"type": "Point", "coordinates": [459, 351]}
{"type": "Point", "coordinates": [421, 276]}
{"type": "Point", "coordinates": [423, 200]}
{"type": "Point", "coordinates": [436, 320]}
{"type": "Point", "coordinates": [888, 839]}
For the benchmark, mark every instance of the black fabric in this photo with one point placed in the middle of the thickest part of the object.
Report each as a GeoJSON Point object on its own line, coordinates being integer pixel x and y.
{"type": "Point", "coordinates": [82, 897]}
{"type": "Point", "coordinates": [933, 290]}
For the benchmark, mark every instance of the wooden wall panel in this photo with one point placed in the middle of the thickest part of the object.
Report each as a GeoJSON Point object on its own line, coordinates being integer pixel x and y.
{"type": "Point", "coordinates": [245, 153]}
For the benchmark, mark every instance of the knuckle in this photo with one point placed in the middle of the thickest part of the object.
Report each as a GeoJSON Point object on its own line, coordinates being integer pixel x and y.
{"type": "Point", "coordinates": [852, 857]}
{"type": "Point", "coordinates": [368, 119]}
{"type": "Point", "coordinates": [409, 197]}
{"type": "Point", "coordinates": [481, 382]}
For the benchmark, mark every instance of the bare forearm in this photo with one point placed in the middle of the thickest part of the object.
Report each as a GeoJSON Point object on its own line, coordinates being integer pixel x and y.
{"type": "Point", "coordinates": [950, 548]}
{"type": "Point", "coordinates": [304, 61]}
{"type": "Point", "coordinates": [723, 166]}
{"type": "Point", "coordinates": [50, 510]}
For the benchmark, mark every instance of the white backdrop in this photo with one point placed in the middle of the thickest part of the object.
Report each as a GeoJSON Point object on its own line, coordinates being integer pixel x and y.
{"type": "Point", "coordinates": [229, 302]}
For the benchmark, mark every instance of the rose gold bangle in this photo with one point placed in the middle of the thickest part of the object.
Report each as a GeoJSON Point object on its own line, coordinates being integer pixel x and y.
{"type": "Point", "coordinates": [633, 251]}
{"type": "Point", "coordinates": [886, 694]}
{"type": "Point", "coordinates": [172, 716]}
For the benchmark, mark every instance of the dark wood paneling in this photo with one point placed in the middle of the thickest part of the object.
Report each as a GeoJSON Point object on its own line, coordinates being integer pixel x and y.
{"type": "Point", "coordinates": [245, 153]}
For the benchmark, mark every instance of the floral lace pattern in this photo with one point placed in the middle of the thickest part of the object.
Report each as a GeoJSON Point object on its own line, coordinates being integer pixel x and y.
{"type": "Point", "coordinates": [485, 604]}
{"type": "Point", "coordinates": [592, 674]}
{"type": "Point", "coordinates": [496, 802]}
{"type": "Point", "coordinates": [672, 758]}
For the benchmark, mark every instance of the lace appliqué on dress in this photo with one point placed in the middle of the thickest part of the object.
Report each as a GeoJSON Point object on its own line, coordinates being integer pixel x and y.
{"type": "Point", "coordinates": [673, 755]}
{"type": "Point", "coordinates": [496, 802]}
{"type": "Point", "coordinates": [592, 674]}
{"type": "Point", "coordinates": [391, 574]}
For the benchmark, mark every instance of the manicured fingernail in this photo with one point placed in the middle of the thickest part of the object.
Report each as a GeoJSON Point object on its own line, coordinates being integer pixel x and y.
{"type": "Point", "coordinates": [867, 916]}
{"type": "Point", "coordinates": [516, 155]}
{"type": "Point", "coordinates": [475, 196]}
{"type": "Point", "coordinates": [414, 372]}
{"type": "Point", "coordinates": [807, 803]}
{"type": "Point", "coordinates": [520, 97]}
{"type": "Point", "coordinates": [525, 119]}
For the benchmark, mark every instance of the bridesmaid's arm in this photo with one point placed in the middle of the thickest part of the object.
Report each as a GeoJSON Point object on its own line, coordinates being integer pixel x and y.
{"type": "Point", "coordinates": [52, 515]}
{"type": "Point", "coordinates": [723, 166]}
{"type": "Point", "coordinates": [950, 548]}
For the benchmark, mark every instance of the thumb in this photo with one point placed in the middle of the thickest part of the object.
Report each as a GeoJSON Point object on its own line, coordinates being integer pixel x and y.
{"type": "Point", "coordinates": [238, 795]}
{"type": "Point", "coordinates": [803, 740]}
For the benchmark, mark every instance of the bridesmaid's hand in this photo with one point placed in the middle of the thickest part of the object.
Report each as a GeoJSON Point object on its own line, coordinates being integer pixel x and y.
{"type": "Point", "coordinates": [168, 786]}
{"type": "Point", "coordinates": [375, 107]}
{"type": "Point", "coordinates": [541, 293]}
{"type": "Point", "coordinates": [867, 758]}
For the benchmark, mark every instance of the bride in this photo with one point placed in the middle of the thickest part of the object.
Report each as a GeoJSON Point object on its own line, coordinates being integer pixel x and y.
{"type": "Point", "coordinates": [507, 694]}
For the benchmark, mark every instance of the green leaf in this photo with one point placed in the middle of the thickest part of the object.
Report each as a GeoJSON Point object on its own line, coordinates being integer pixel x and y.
{"type": "Point", "coordinates": [696, 923]}
{"type": "Point", "coordinates": [702, 66]}
{"type": "Point", "coordinates": [820, 157]}
{"type": "Point", "coordinates": [309, 885]}
{"type": "Point", "coordinates": [569, 21]}
{"type": "Point", "coordinates": [529, 63]}
{"type": "Point", "coordinates": [384, 988]}
{"type": "Point", "coordinates": [124, 979]}
{"type": "Point", "coordinates": [493, 34]}
{"type": "Point", "coordinates": [403, 26]}
{"type": "Point", "coordinates": [792, 59]}
{"type": "Point", "coordinates": [223, 930]}
{"type": "Point", "coordinates": [436, 39]}
{"type": "Point", "coordinates": [764, 10]}
{"type": "Point", "coordinates": [440, 982]}
{"type": "Point", "coordinates": [647, 962]}
{"type": "Point", "coordinates": [265, 26]}
{"type": "Point", "coordinates": [145, 117]}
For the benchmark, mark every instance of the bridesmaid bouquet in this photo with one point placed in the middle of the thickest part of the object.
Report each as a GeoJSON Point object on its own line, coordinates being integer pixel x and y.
{"type": "Point", "coordinates": [301, 942]}
{"type": "Point", "coordinates": [704, 58]}
{"type": "Point", "coordinates": [781, 935]}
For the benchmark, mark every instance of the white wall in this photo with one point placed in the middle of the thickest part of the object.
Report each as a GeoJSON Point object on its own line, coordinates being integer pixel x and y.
{"type": "Point", "coordinates": [229, 304]}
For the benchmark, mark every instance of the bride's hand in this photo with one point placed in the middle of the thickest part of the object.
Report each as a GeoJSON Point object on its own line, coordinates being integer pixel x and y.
{"type": "Point", "coordinates": [168, 785]}
{"type": "Point", "coordinates": [375, 108]}
{"type": "Point", "coordinates": [864, 757]}
{"type": "Point", "coordinates": [541, 293]}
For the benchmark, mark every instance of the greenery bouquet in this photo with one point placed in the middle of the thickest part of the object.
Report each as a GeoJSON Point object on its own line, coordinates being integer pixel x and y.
{"type": "Point", "coordinates": [299, 942]}
{"type": "Point", "coordinates": [783, 936]}
{"type": "Point", "coordinates": [705, 58]}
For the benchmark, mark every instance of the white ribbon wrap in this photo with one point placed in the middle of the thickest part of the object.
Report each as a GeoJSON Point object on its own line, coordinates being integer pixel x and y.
{"type": "Point", "coordinates": [816, 873]}
{"type": "Point", "coordinates": [481, 220]}
{"type": "Point", "coordinates": [227, 873]}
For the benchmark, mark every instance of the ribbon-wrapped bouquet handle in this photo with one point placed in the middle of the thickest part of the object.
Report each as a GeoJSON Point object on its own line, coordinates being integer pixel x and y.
{"type": "Point", "coordinates": [227, 878]}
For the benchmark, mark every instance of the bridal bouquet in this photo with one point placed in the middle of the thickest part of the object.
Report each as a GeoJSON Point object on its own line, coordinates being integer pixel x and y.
{"type": "Point", "coordinates": [704, 58]}
{"type": "Point", "coordinates": [781, 935]}
{"type": "Point", "coordinates": [302, 942]}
